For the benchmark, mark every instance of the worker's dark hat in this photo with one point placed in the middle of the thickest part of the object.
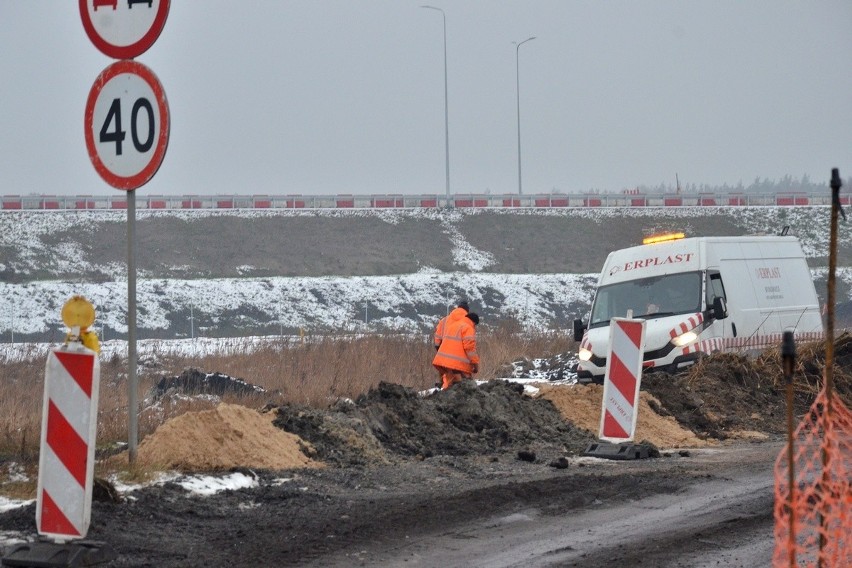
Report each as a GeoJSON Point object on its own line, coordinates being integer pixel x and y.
{"type": "Point", "coordinates": [463, 305]}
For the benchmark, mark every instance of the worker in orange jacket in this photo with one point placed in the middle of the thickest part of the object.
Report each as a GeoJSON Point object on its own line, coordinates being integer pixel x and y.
{"type": "Point", "coordinates": [457, 358]}
{"type": "Point", "coordinates": [461, 310]}
{"type": "Point", "coordinates": [458, 313]}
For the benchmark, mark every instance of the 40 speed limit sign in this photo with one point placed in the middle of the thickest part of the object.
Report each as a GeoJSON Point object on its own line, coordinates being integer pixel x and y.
{"type": "Point", "coordinates": [127, 124]}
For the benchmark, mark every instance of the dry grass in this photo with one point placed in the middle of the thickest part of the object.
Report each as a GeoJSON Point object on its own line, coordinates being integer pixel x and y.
{"type": "Point", "coordinates": [21, 390]}
{"type": "Point", "coordinates": [809, 378]}
{"type": "Point", "coordinates": [315, 372]}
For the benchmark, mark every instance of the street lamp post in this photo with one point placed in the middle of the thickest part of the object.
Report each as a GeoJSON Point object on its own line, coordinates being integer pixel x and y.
{"type": "Point", "coordinates": [446, 106]}
{"type": "Point", "coordinates": [518, 91]}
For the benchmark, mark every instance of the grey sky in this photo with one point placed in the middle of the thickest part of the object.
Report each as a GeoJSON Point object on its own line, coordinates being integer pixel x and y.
{"type": "Point", "coordinates": [347, 96]}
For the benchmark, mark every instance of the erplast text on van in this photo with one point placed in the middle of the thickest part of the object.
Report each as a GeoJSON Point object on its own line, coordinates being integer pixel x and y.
{"type": "Point", "coordinates": [655, 261]}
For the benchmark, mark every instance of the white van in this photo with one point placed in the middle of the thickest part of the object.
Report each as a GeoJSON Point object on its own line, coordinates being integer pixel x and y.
{"type": "Point", "coordinates": [701, 295]}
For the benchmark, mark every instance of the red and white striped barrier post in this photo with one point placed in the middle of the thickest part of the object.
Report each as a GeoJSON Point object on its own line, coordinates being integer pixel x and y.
{"type": "Point", "coordinates": [622, 380]}
{"type": "Point", "coordinates": [68, 435]}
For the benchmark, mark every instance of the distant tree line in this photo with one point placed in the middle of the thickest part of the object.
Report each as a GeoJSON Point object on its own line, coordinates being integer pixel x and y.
{"type": "Point", "coordinates": [787, 183]}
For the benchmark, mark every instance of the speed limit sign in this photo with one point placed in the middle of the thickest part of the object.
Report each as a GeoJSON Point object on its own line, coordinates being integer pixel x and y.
{"type": "Point", "coordinates": [123, 30]}
{"type": "Point", "coordinates": [127, 124]}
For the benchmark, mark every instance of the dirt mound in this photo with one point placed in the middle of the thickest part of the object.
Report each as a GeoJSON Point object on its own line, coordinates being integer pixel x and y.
{"type": "Point", "coordinates": [395, 421]}
{"type": "Point", "coordinates": [811, 361]}
{"type": "Point", "coordinates": [220, 439]}
{"type": "Point", "coordinates": [722, 396]}
{"type": "Point", "coordinates": [581, 405]}
{"type": "Point", "coordinates": [728, 395]}
{"type": "Point", "coordinates": [194, 382]}
{"type": "Point", "coordinates": [339, 436]}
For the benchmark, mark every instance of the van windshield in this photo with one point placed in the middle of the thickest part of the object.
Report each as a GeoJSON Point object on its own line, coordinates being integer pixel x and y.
{"type": "Point", "coordinates": [657, 296]}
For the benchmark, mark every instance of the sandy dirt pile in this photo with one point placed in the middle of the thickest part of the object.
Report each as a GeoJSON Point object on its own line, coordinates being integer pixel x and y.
{"type": "Point", "coordinates": [581, 405]}
{"type": "Point", "coordinates": [223, 438]}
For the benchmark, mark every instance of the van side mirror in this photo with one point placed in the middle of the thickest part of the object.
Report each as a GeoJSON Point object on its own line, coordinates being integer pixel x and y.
{"type": "Point", "coordinates": [720, 308]}
{"type": "Point", "coordinates": [579, 328]}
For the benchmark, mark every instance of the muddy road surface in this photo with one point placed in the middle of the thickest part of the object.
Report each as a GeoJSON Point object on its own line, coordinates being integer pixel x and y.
{"type": "Point", "coordinates": [712, 508]}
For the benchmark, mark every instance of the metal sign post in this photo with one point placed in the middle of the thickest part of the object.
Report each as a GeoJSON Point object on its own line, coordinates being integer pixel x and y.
{"type": "Point", "coordinates": [132, 388]}
{"type": "Point", "coordinates": [131, 90]}
{"type": "Point", "coordinates": [127, 130]}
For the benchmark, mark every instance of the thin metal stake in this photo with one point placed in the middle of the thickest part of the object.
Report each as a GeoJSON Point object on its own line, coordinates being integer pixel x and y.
{"type": "Point", "coordinates": [836, 211]}
{"type": "Point", "coordinates": [132, 404]}
{"type": "Point", "coordinates": [788, 360]}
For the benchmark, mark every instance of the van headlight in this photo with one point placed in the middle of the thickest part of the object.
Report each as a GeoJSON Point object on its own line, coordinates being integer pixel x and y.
{"type": "Point", "coordinates": [684, 339]}
{"type": "Point", "coordinates": [584, 354]}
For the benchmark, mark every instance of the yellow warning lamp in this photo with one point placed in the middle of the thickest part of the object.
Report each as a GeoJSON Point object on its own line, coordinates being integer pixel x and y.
{"type": "Point", "coordinates": [662, 238]}
{"type": "Point", "coordinates": [78, 313]}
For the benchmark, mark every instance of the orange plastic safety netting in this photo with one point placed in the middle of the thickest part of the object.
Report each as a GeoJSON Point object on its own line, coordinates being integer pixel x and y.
{"type": "Point", "coordinates": [813, 526]}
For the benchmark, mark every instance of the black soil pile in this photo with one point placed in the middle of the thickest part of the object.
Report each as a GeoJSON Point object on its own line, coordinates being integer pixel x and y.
{"type": "Point", "coordinates": [720, 396]}
{"type": "Point", "coordinates": [392, 421]}
{"type": "Point", "coordinates": [726, 394]}
{"type": "Point", "coordinates": [195, 382]}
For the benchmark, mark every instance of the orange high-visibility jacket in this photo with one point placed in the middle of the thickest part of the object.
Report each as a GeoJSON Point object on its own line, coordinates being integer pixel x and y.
{"type": "Point", "coordinates": [458, 349]}
{"type": "Point", "coordinates": [440, 329]}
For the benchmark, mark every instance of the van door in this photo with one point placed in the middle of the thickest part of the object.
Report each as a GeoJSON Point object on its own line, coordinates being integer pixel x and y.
{"type": "Point", "coordinates": [715, 288]}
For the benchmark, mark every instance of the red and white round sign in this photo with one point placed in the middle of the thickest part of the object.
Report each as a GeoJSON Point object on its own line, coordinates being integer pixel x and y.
{"type": "Point", "coordinates": [127, 124]}
{"type": "Point", "coordinates": [123, 29]}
